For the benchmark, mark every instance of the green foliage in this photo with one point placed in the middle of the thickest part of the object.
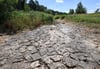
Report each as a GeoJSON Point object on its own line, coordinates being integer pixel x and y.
{"type": "Point", "coordinates": [6, 7]}
{"type": "Point", "coordinates": [57, 17]}
{"type": "Point", "coordinates": [37, 5]}
{"type": "Point", "coordinates": [91, 20]}
{"type": "Point", "coordinates": [21, 4]}
{"type": "Point", "coordinates": [32, 5]}
{"type": "Point", "coordinates": [80, 9]}
{"type": "Point", "coordinates": [27, 8]}
{"type": "Point", "coordinates": [17, 15]}
{"type": "Point", "coordinates": [42, 8]}
{"type": "Point", "coordinates": [71, 11]}
{"type": "Point", "coordinates": [26, 20]}
{"type": "Point", "coordinates": [62, 17]}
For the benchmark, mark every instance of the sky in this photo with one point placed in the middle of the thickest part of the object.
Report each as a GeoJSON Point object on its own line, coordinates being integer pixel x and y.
{"type": "Point", "coordinates": [65, 5]}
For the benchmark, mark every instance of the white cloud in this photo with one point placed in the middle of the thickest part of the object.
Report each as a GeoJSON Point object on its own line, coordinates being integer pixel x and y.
{"type": "Point", "coordinates": [60, 1]}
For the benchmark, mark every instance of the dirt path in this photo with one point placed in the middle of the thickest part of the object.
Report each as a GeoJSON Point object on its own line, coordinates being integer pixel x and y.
{"type": "Point", "coordinates": [59, 46]}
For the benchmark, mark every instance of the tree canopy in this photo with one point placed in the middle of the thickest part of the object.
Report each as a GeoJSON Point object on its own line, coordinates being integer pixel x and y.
{"type": "Point", "coordinates": [71, 11]}
{"type": "Point", "coordinates": [80, 9]}
{"type": "Point", "coordinates": [97, 10]}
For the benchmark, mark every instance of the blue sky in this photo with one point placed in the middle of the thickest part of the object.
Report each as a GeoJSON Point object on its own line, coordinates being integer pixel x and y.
{"type": "Point", "coordinates": [65, 5]}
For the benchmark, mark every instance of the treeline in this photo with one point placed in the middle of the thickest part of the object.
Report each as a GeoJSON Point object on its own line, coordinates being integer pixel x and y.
{"type": "Point", "coordinates": [18, 15]}
{"type": "Point", "coordinates": [34, 5]}
{"type": "Point", "coordinates": [79, 10]}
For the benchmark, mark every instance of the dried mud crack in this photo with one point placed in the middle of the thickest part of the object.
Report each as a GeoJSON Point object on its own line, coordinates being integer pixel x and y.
{"type": "Point", "coordinates": [60, 46]}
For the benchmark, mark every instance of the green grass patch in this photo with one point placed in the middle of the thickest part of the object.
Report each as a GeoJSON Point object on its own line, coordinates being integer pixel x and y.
{"type": "Point", "coordinates": [20, 20]}
{"type": "Point", "coordinates": [90, 20]}
{"type": "Point", "coordinates": [59, 17]}
{"type": "Point", "coordinates": [56, 17]}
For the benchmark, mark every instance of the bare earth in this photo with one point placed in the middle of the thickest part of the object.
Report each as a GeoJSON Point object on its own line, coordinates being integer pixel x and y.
{"type": "Point", "coordinates": [59, 46]}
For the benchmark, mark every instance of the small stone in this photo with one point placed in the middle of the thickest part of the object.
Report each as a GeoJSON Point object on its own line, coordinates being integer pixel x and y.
{"type": "Point", "coordinates": [36, 56]}
{"type": "Point", "coordinates": [70, 49]}
{"type": "Point", "coordinates": [57, 65]}
{"type": "Point", "coordinates": [61, 50]}
{"type": "Point", "coordinates": [37, 39]}
{"type": "Point", "coordinates": [56, 58]}
{"type": "Point", "coordinates": [47, 43]}
{"type": "Point", "coordinates": [35, 44]}
{"type": "Point", "coordinates": [32, 49]}
{"type": "Point", "coordinates": [3, 62]}
{"type": "Point", "coordinates": [26, 44]}
{"type": "Point", "coordinates": [35, 64]}
{"type": "Point", "coordinates": [47, 60]}
{"type": "Point", "coordinates": [70, 62]}
{"type": "Point", "coordinates": [50, 49]}
{"type": "Point", "coordinates": [22, 49]}
{"type": "Point", "coordinates": [52, 53]}
{"type": "Point", "coordinates": [28, 58]}
{"type": "Point", "coordinates": [24, 41]}
{"type": "Point", "coordinates": [43, 51]}
{"type": "Point", "coordinates": [79, 67]}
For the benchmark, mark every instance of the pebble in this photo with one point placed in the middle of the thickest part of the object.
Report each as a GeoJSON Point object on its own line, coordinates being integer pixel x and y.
{"type": "Point", "coordinates": [35, 64]}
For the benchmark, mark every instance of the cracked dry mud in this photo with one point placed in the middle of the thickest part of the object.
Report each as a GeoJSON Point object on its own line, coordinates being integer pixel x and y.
{"type": "Point", "coordinates": [60, 46]}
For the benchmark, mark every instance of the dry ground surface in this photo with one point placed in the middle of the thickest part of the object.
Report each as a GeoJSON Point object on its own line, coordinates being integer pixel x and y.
{"type": "Point", "coordinates": [59, 46]}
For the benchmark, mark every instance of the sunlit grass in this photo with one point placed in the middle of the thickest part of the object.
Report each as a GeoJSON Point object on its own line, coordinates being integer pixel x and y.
{"type": "Point", "coordinates": [20, 20]}
{"type": "Point", "coordinates": [90, 20]}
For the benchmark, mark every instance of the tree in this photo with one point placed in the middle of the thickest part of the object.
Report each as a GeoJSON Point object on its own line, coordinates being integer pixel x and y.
{"type": "Point", "coordinates": [37, 5]}
{"type": "Point", "coordinates": [32, 5]}
{"type": "Point", "coordinates": [21, 4]}
{"type": "Point", "coordinates": [27, 8]}
{"type": "Point", "coordinates": [6, 7]}
{"type": "Point", "coordinates": [50, 11]}
{"type": "Point", "coordinates": [42, 8]}
{"type": "Point", "coordinates": [97, 11]}
{"type": "Point", "coordinates": [80, 9]}
{"type": "Point", "coordinates": [71, 11]}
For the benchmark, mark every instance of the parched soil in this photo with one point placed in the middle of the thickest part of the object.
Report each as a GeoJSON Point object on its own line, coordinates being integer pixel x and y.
{"type": "Point", "coordinates": [59, 46]}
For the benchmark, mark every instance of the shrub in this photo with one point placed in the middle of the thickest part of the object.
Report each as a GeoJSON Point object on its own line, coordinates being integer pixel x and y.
{"type": "Point", "coordinates": [26, 20]}
{"type": "Point", "coordinates": [56, 17]}
{"type": "Point", "coordinates": [71, 11]}
{"type": "Point", "coordinates": [62, 17]}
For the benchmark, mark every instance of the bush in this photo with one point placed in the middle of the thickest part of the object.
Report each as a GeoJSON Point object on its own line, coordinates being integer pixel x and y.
{"type": "Point", "coordinates": [62, 17]}
{"type": "Point", "coordinates": [6, 7]}
{"type": "Point", "coordinates": [56, 17]}
{"type": "Point", "coordinates": [26, 20]}
{"type": "Point", "coordinates": [71, 11]}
